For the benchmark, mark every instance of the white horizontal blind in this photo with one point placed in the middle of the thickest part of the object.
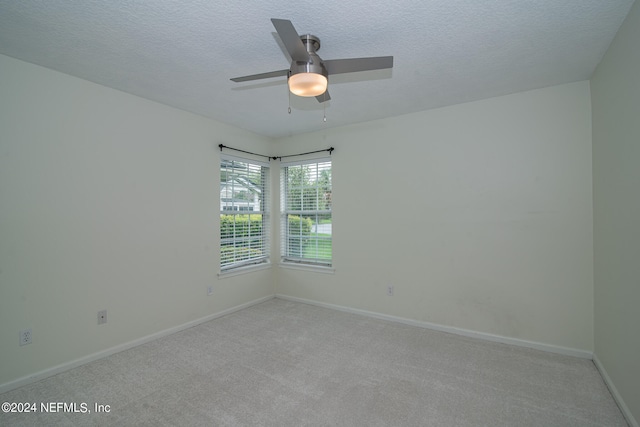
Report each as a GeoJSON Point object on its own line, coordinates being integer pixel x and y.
{"type": "Point", "coordinates": [306, 223]}
{"type": "Point", "coordinates": [244, 212]}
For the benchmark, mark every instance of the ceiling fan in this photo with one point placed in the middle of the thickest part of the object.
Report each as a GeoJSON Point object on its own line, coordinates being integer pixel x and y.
{"type": "Point", "coordinates": [308, 73]}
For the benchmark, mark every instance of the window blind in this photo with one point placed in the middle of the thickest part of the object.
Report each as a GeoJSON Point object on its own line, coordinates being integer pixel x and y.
{"type": "Point", "coordinates": [306, 222]}
{"type": "Point", "coordinates": [244, 212]}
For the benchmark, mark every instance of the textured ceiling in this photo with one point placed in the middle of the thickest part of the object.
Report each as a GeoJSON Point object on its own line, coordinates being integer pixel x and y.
{"type": "Point", "coordinates": [183, 53]}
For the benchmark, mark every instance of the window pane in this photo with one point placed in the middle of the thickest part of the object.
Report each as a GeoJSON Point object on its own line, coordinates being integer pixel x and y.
{"type": "Point", "coordinates": [243, 213]}
{"type": "Point", "coordinates": [306, 222]}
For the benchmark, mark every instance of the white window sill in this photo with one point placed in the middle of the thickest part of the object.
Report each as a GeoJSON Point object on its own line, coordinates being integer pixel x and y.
{"type": "Point", "coordinates": [307, 267]}
{"type": "Point", "coordinates": [243, 270]}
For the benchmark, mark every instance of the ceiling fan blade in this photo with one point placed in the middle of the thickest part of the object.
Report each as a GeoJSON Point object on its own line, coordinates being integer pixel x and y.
{"type": "Point", "coordinates": [291, 40]}
{"type": "Point", "coordinates": [261, 76]}
{"type": "Point", "coordinates": [339, 66]}
{"type": "Point", "coordinates": [324, 97]}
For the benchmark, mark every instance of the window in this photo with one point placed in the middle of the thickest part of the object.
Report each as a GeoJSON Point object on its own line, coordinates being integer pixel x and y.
{"type": "Point", "coordinates": [306, 212]}
{"type": "Point", "coordinates": [244, 212]}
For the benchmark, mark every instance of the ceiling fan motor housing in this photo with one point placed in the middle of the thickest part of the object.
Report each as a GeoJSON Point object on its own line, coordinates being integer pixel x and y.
{"type": "Point", "coordinates": [314, 65]}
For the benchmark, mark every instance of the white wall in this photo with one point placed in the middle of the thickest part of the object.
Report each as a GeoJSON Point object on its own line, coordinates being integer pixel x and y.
{"type": "Point", "coordinates": [480, 214]}
{"type": "Point", "coordinates": [107, 201]}
{"type": "Point", "coordinates": [615, 90]}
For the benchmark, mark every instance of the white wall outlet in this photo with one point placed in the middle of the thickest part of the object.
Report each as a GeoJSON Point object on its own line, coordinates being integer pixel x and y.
{"type": "Point", "coordinates": [25, 336]}
{"type": "Point", "coordinates": [102, 317]}
{"type": "Point", "coordinates": [390, 289]}
{"type": "Point", "coordinates": [209, 290]}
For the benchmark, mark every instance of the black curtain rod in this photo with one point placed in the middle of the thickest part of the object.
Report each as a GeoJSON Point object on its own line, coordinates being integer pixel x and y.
{"type": "Point", "coordinates": [242, 151]}
{"type": "Point", "coordinates": [330, 150]}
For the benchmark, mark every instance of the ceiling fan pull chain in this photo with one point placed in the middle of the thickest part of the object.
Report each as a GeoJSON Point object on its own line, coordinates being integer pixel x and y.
{"type": "Point", "coordinates": [289, 92]}
{"type": "Point", "coordinates": [324, 107]}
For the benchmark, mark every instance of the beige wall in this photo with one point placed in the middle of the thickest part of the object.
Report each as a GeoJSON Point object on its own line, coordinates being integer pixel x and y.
{"type": "Point", "coordinates": [615, 89]}
{"type": "Point", "coordinates": [479, 214]}
{"type": "Point", "coordinates": [107, 201]}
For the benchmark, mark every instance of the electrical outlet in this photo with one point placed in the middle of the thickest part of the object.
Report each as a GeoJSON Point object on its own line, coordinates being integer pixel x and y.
{"type": "Point", "coordinates": [102, 317]}
{"type": "Point", "coordinates": [390, 290]}
{"type": "Point", "coordinates": [209, 290]}
{"type": "Point", "coordinates": [25, 336]}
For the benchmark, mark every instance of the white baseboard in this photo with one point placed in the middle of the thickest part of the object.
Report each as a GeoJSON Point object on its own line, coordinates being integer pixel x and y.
{"type": "Point", "coordinates": [108, 352]}
{"type": "Point", "coordinates": [584, 354]}
{"type": "Point", "coordinates": [464, 332]}
{"type": "Point", "coordinates": [614, 392]}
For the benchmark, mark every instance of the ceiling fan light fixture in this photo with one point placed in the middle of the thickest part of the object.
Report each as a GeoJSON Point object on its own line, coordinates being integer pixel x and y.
{"type": "Point", "coordinates": [308, 84]}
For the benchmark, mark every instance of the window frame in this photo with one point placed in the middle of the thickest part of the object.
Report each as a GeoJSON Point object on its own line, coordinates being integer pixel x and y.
{"type": "Point", "coordinates": [286, 258]}
{"type": "Point", "coordinates": [242, 209]}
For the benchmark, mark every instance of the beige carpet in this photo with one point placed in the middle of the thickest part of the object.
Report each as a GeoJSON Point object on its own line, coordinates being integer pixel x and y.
{"type": "Point", "coordinates": [283, 363]}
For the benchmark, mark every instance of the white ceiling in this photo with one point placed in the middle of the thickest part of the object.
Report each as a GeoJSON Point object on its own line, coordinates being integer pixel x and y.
{"type": "Point", "coordinates": [183, 53]}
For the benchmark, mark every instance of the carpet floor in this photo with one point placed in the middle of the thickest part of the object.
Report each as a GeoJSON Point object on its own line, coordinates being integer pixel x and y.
{"type": "Point", "coordinates": [283, 363]}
